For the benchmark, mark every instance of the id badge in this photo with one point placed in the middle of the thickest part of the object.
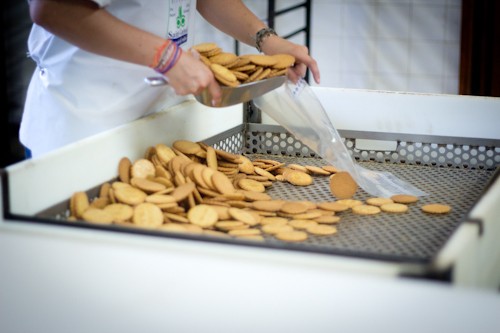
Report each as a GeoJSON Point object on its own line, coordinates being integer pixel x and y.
{"type": "Point", "coordinates": [178, 20]}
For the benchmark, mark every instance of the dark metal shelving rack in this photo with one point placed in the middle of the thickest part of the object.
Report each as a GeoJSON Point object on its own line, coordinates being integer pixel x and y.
{"type": "Point", "coordinates": [272, 13]}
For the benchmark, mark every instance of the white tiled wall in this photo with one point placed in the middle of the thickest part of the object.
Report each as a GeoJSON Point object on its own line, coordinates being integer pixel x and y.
{"type": "Point", "coordinates": [400, 45]}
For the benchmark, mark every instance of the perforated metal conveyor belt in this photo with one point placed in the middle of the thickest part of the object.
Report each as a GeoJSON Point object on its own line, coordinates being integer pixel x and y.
{"type": "Point", "coordinates": [414, 236]}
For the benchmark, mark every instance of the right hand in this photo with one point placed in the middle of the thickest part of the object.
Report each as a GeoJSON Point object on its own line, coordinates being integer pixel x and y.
{"type": "Point", "coordinates": [190, 76]}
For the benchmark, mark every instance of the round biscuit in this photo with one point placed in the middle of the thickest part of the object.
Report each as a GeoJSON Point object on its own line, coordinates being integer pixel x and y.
{"type": "Point", "coordinates": [436, 208]}
{"type": "Point", "coordinates": [321, 229]}
{"type": "Point", "coordinates": [365, 210]}
{"type": "Point", "coordinates": [205, 47]}
{"type": "Point", "coordinates": [377, 201]}
{"type": "Point", "coordinates": [342, 185]}
{"type": "Point", "coordinates": [202, 215]}
{"type": "Point", "coordinates": [147, 215]}
{"type": "Point", "coordinates": [394, 208]}
{"type": "Point", "coordinates": [291, 236]}
{"type": "Point", "coordinates": [223, 73]}
{"type": "Point", "coordinates": [283, 61]}
{"type": "Point", "coordinates": [404, 198]}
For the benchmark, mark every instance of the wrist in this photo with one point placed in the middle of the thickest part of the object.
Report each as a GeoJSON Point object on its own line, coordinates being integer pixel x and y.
{"type": "Point", "coordinates": [262, 36]}
{"type": "Point", "coordinates": [166, 56]}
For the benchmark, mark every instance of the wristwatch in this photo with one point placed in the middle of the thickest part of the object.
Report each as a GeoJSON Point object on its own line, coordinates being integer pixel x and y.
{"type": "Point", "coordinates": [261, 35]}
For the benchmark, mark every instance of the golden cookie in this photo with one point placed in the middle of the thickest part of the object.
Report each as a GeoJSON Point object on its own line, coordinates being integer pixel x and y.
{"type": "Point", "coordinates": [253, 77]}
{"type": "Point", "coordinates": [240, 75]}
{"type": "Point", "coordinates": [204, 216]}
{"type": "Point", "coordinates": [222, 183]}
{"type": "Point", "coordinates": [100, 203]}
{"type": "Point", "coordinates": [187, 147]}
{"type": "Point", "coordinates": [251, 185]}
{"type": "Point", "coordinates": [268, 205]}
{"type": "Point", "coordinates": [302, 224]}
{"type": "Point", "coordinates": [173, 227]}
{"type": "Point", "coordinates": [143, 168]}
{"type": "Point", "coordinates": [124, 169]}
{"type": "Point", "coordinates": [316, 170]}
{"type": "Point", "coordinates": [246, 166]}
{"type": "Point", "coordinates": [244, 232]}
{"type": "Point", "coordinates": [160, 199]}
{"type": "Point", "coordinates": [164, 153]}
{"type": "Point", "coordinates": [365, 210]}
{"type": "Point", "coordinates": [378, 201]}
{"type": "Point", "coordinates": [333, 206]}
{"type": "Point", "coordinates": [330, 168]}
{"type": "Point", "coordinates": [183, 191]}
{"type": "Point", "coordinates": [147, 215]}
{"type": "Point", "coordinates": [394, 208]}
{"type": "Point", "coordinates": [255, 196]}
{"type": "Point", "coordinates": [129, 195]}
{"type": "Point", "coordinates": [436, 209]}
{"type": "Point", "coordinates": [276, 228]}
{"type": "Point", "coordinates": [283, 61]}
{"type": "Point", "coordinates": [120, 212]}
{"type": "Point", "coordinates": [224, 58]}
{"type": "Point", "coordinates": [264, 173]}
{"type": "Point", "coordinates": [147, 185]}
{"type": "Point", "coordinates": [274, 220]}
{"type": "Point", "coordinates": [298, 178]}
{"type": "Point", "coordinates": [205, 47]}
{"type": "Point", "coordinates": [321, 229]}
{"type": "Point", "coordinates": [342, 185]}
{"type": "Point", "coordinates": [308, 215]}
{"type": "Point", "coordinates": [231, 225]}
{"type": "Point", "coordinates": [263, 60]}
{"type": "Point", "coordinates": [243, 216]}
{"type": "Point", "coordinates": [79, 203]}
{"type": "Point", "coordinates": [277, 72]}
{"type": "Point", "coordinates": [96, 215]}
{"type": "Point", "coordinates": [264, 74]}
{"type": "Point", "coordinates": [293, 207]}
{"type": "Point", "coordinates": [205, 60]}
{"type": "Point", "coordinates": [404, 198]}
{"type": "Point", "coordinates": [327, 219]}
{"type": "Point", "coordinates": [349, 202]}
{"type": "Point", "coordinates": [291, 236]}
{"type": "Point", "coordinates": [212, 158]}
{"type": "Point", "coordinates": [223, 73]}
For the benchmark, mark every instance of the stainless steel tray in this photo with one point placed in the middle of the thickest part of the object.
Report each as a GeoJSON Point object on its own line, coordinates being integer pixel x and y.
{"type": "Point", "coordinates": [230, 95]}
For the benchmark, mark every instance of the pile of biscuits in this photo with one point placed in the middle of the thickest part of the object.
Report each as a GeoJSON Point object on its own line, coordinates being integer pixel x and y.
{"type": "Point", "coordinates": [232, 70]}
{"type": "Point", "coordinates": [193, 187]}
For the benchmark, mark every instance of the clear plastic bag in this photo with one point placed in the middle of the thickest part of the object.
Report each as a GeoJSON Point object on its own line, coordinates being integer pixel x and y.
{"type": "Point", "coordinates": [298, 110]}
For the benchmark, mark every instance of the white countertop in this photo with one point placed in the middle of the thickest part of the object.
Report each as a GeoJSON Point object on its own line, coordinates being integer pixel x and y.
{"type": "Point", "coordinates": [52, 282]}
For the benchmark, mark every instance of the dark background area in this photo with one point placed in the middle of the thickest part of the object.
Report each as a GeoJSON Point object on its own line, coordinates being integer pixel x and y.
{"type": "Point", "coordinates": [15, 74]}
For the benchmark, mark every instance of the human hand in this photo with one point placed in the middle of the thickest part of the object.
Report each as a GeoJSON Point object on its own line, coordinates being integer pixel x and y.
{"type": "Point", "coordinates": [275, 45]}
{"type": "Point", "coordinates": [190, 76]}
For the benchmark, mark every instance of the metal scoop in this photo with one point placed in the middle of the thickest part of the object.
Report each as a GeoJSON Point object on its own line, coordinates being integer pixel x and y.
{"type": "Point", "coordinates": [230, 95]}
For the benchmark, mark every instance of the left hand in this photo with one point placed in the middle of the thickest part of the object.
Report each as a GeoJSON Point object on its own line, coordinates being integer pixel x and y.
{"type": "Point", "coordinates": [275, 45]}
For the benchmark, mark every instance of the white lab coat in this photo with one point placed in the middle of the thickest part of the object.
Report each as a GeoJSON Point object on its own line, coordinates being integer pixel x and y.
{"type": "Point", "coordinates": [74, 94]}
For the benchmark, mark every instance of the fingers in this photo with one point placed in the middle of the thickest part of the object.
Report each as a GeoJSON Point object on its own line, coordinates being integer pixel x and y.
{"type": "Point", "coordinates": [215, 91]}
{"type": "Point", "coordinates": [313, 67]}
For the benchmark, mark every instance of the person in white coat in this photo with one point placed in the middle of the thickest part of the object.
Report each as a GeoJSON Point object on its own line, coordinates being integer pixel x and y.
{"type": "Point", "coordinates": [93, 55]}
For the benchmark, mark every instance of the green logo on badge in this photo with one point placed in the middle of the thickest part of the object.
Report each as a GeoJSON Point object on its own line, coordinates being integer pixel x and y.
{"type": "Point", "coordinates": [181, 19]}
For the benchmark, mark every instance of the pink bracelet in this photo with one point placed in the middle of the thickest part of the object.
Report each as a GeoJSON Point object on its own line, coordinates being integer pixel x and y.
{"type": "Point", "coordinates": [166, 57]}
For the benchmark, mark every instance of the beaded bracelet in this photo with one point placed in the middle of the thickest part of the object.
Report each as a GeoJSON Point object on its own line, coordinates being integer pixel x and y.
{"type": "Point", "coordinates": [166, 57]}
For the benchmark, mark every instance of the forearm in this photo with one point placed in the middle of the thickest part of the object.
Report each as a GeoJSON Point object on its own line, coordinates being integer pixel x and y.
{"type": "Point", "coordinates": [93, 29]}
{"type": "Point", "coordinates": [231, 17]}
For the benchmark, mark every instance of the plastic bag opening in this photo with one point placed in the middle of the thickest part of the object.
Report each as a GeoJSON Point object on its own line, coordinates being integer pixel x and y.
{"type": "Point", "coordinates": [299, 111]}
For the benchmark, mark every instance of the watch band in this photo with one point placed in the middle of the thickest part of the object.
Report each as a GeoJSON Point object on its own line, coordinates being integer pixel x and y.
{"type": "Point", "coordinates": [261, 35]}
